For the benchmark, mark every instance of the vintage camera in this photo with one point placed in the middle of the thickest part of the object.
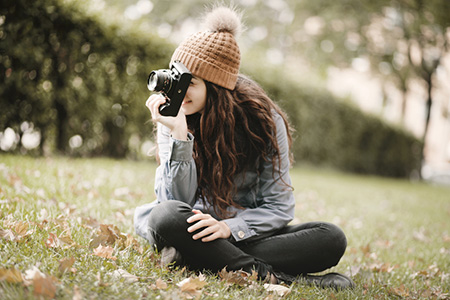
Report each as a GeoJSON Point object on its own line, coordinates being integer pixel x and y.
{"type": "Point", "coordinates": [173, 84]}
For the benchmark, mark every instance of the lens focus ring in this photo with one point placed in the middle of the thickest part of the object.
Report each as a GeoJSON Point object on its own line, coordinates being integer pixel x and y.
{"type": "Point", "coordinates": [159, 81]}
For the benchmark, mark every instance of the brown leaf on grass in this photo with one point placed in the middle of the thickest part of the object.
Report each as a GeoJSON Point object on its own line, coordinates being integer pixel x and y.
{"type": "Point", "coordinates": [17, 230]}
{"type": "Point", "coordinates": [366, 250]}
{"type": "Point", "coordinates": [191, 287]}
{"type": "Point", "coordinates": [446, 238]}
{"type": "Point", "coordinates": [387, 244]}
{"type": "Point", "coordinates": [11, 275]}
{"type": "Point", "coordinates": [7, 234]}
{"type": "Point", "coordinates": [400, 291]}
{"type": "Point", "coordinates": [160, 284]}
{"type": "Point", "coordinates": [44, 287]}
{"type": "Point", "coordinates": [354, 270]}
{"type": "Point", "coordinates": [110, 235]}
{"type": "Point", "coordinates": [421, 235]}
{"type": "Point", "coordinates": [130, 278]}
{"type": "Point", "coordinates": [280, 290]}
{"type": "Point", "coordinates": [432, 272]}
{"type": "Point", "coordinates": [21, 228]}
{"type": "Point", "coordinates": [107, 235]}
{"type": "Point", "coordinates": [241, 278]}
{"type": "Point", "coordinates": [132, 242]}
{"type": "Point", "coordinates": [32, 273]}
{"type": "Point", "coordinates": [383, 268]}
{"type": "Point", "coordinates": [105, 252]}
{"type": "Point", "coordinates": [52, 241]}
{"type": "Point", "coordinates": [66, 264]}
{"type": "Point", "coordinates": [64, 241]}
{"type": "Point", "coordinates": [90, 223]}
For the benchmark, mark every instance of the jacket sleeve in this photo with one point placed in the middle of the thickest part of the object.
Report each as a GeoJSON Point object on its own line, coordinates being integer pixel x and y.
{"type": "Point", "coordinates": [274, 197]}
{"type": "Point", "coordinates": [176, 176]}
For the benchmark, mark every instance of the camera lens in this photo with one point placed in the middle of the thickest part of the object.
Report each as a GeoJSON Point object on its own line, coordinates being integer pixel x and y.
{"type": "Point", "coordinates": [159, 81]}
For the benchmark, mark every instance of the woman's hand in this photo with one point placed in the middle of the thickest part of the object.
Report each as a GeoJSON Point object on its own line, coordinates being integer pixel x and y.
{"type": "Point", "coordinates": [213, 229]}
{"type": "Point", "coordinates": [177, 125]}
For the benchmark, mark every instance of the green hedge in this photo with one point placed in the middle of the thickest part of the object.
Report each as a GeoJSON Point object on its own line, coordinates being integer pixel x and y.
{"type": "Point", "coordinates": [334, 133]}
{"type": "Point", "coordinates": [69, 74]}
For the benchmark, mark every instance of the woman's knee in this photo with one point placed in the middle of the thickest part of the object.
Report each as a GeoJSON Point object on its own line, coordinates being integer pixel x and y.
{"type": "Point", "coordinates": [168, 215]}
{"type": "Point", "coordinates": [337, 240]}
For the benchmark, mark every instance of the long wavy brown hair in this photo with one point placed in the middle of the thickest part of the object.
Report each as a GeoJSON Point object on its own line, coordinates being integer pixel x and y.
{"type": "Point", "coordinates": [235, 131]}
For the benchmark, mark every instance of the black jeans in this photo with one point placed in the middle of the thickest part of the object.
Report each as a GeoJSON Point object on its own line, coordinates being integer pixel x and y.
{"type": "Point", "coordinates": [295, 250]}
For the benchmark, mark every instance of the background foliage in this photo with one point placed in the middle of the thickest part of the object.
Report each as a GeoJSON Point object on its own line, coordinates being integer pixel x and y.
{"type": "Point", "coordinates": [79, 81]}
{"type": "Point", "coordinates": [70, 75]}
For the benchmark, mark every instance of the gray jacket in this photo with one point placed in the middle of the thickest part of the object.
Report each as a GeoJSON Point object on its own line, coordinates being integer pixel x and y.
{"type": "Point", "coordinates": [268, 204]}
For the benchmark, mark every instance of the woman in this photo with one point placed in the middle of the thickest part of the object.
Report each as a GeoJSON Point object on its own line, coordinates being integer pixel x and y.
{"type": "Point", "coordinates": [224, 195]}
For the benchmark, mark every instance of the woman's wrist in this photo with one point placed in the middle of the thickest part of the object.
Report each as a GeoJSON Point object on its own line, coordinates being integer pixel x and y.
{"type": "Point", "coordinates": [179, 133]}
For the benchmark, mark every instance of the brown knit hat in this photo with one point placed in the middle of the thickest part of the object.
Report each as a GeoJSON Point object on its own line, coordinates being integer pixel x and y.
{"type": "Point", "coordinates": [214, 55]}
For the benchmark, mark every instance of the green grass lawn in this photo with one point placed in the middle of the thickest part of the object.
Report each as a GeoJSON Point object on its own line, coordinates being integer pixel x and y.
{"type": "Point", "coordinates": [66, 231]}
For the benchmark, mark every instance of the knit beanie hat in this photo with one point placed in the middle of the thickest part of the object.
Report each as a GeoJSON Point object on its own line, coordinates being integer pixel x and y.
{"type": "Point", "coordinates": [214, 55]}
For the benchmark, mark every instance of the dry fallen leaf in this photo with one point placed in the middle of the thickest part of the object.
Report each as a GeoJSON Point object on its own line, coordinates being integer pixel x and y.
{"type": "Point", "coordinates": [11, 275]}
{"type": "Point", "coordinates": [66, 264]}
{"type": "Point", "coordinates": [161, 284]}
{"type": "Point", "coordinates": [21, 228]}
{"type": "Point", "coordinates": [421, 235]}
{"type": "Point", "coordinates": [366, 250]}
{"type": "Point", "coordinates": [132, 242]}
{"type": "Point", "coordinates": [241, 278]}
{"type": "Point", "coordinates": [7, 235]}
{"type": "Point", "coordinates": [90, 223]}
{"type": "Point", "coordinates": [191, 287]}
{"type": "Point", "coordinates": [32, 273]}
{"type": "Point", "coordinates": [119, 273]}
{"type": "Point", "coordinates": [383, 267]}
{"type": "Point", "coordinates": [280, 290]}
{"type": "Point", "coordinates": [16, 230]}
{"type": "Point", "coordinates": [52, 241]}
{"type": "Point", "coordinates": [107, 235]}
{"type": "Point", "coordinates": [66, 238]}
{"type": "Point", "coordinates": [105, 252]}
{"type": "Point", "coordinates": [44, 287]}
{"type": "Point", "coordinates": [400, 291]}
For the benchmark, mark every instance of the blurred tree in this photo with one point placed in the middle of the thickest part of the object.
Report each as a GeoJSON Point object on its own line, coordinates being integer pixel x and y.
{"type": "Point", "coordinates": [79, 81]}
{"type": "Point", "coordinates": [402, 39]}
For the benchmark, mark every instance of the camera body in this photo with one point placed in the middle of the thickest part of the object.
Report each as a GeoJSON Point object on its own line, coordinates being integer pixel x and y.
{"type": "Point", "coordinates": [173, 84]}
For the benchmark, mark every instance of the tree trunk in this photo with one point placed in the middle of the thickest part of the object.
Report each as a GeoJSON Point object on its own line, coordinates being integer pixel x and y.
{"type": "Point", "coordinates": [428, 105]}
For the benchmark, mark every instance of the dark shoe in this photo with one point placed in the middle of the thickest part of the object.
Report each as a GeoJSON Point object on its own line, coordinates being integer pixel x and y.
{"type": "Point", "coordinates": [330, 280]}
{"type": "Point", "coordinates": [170, 256]}
{"type": "Point", "coordinates": [284, 278]}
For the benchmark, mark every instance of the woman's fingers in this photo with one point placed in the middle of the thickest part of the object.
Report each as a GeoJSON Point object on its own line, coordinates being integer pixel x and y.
{"type": "Point", "coordinates": [205, 232]}
{"type": "Point", "coordinates": [212, 228]}
{"type": "Point", "coordinates": [153, 103]}
{"type": "Point", "coordinates": [201, 220]}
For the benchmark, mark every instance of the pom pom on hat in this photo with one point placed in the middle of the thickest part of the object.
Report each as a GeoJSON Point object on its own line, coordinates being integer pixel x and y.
{"type": "Point", "coordinates": [214, 55]}
{"type": "Point", "coordinates": [224, 19]}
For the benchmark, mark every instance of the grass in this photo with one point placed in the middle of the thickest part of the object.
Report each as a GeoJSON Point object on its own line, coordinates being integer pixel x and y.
{"type": "Point", "coordinates": [51, 208]}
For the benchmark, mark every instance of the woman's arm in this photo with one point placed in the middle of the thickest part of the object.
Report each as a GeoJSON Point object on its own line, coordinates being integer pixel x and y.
{"type": "Point", "coordinates": [176, 176]}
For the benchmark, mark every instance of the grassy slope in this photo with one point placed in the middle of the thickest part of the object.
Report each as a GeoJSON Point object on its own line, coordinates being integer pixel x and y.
{"type": "Point", "coordinates": [398, 232]}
